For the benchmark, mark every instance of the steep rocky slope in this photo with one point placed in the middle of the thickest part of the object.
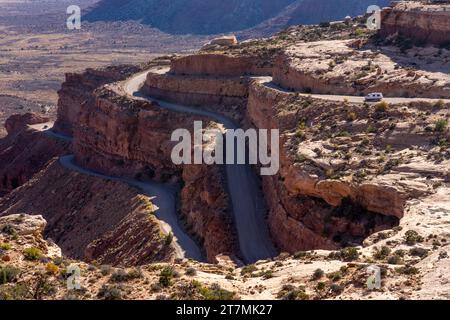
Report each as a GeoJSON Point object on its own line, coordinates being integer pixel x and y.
{"type": "Point", "coordinates": [90, 218]}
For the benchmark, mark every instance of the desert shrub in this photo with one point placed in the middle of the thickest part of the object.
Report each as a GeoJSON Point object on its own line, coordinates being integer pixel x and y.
{"type": "Point", "coordinates": [155, 287]}
{"type": "Point", "coordinates": [186, 291]}
{"type": "Point", "coordinates": [325, 24]}
{"type": "Point", "coordinates": [418, 252]}
{"type": "Point", "coordinates": [381, 106]}
{"type": "Point", "coordinates": [8, 274]}
{"type": "Point", "coordinates": [320, 286]}
{"type": "Point", "coordinates": [412, 237]}
{"type": "Point", "coordinates": [266, 274]}
{"type": "Point", "coordinates": [168, 239]}
{"type": "Point", "coordinates": [105, 269]}
{"type": "Point", "coordinates": [300, 254]}
{"type": "Point", "coordinates": [408, 270]}
{"type": "Point", "coordinates": [318, 274]}
{"type": "Point", "coordinates": [334, 276]}
{"type": "Point", "coordinates": [289, 292]}
{"type": "Point", "coordinates": [165, 276]}
{"type": "Point", "coordinates": [349, 254]}
{"type": "Point", "coordinates": [248, 269]}
{"type": "Point", "coordinates": [191, 272]}
{"type": "Point", "coordinates": [395, 259]}
{"type": "Point", "coordinates": [383, 253]}
{"type": "Point", "coordinates": [351, 116]}
{"type": "Point", "coordinates": [336, 288]}
{"type": "Point", "coordinates": [215, 292]}
{"type": "Point", "coordinates": [135, 273]}
{"type": "Point", "coordinates": [5, 246]}
{"type": "Point", "coordinates": [18, 291]}
{"type": "Point", "coordinates": [51, 268]}
{"type": "Point", "coordinates": [441, 125]}
{"type": "Point", "coordinates": [440, 104]}
{"type": "Point", "coordinates": [32, 253]}
{"type": "Point", "coordinates": [119, 276]}
{"type": "Point", "coordinates": [108, 292]}
{"type": "Point", "coordinates": [9, 229]}
{"type": "Point", "coordinates": [43, 287]}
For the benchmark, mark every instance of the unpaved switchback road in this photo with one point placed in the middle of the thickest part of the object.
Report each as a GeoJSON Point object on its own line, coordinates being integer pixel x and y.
{"type": "Point", "coordinates": [248, 205]}
{"type": "Point", "coordinates": [353, 99]}
{"type": "Point", "coordinates": [162, 196]}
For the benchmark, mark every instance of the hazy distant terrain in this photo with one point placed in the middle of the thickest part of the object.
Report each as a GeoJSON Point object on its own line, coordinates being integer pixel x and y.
{"type": "Point", "coordinates": [218, 16]}
{"type": "Point", "coordinates": [37, 49]}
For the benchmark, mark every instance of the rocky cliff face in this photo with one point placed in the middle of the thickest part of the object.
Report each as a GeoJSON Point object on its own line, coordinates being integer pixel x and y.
{"type": "Point", "coordinates": [132, 138]}
{"type": "Point", "coordinates": [90, 218]}
{"type": "Point", "coordinates": [77, 91]}
{"type": "Point", "coordinates": [305, 210]}
{"type": "Point", "coordinates": [25, 151]}
{"type": "Point", "coordinates": [197, 91]}
{"type": "Point", "coordinates": [419, 22]}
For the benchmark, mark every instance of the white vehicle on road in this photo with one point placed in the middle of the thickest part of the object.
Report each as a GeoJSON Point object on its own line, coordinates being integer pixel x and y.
{"type": "Point", "coordinates": [375, 96]}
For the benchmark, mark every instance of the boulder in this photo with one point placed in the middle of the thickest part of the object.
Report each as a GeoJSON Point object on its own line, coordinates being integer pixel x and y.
{"type": "Point", "coordinates": [224, 41]}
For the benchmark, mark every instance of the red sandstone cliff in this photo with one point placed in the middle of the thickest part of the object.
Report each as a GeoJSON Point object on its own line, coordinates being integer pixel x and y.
{"type": "Point", "coordinates": [421, 23]}
{"type": "Point", "coordinates": [24, 151]}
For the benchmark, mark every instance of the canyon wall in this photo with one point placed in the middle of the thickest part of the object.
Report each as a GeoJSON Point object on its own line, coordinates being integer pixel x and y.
{"type": "Point", "coordinates": [91, 218]}
{"type": "Point", "coordinates": [24, 151]}
{"type": "Point", "coordinates": [220, 65]}
{"type": "Point", "coordinates": [132, 138]}
{"type": "Point", "coordinates": [304, 209]}
{"type": "Point", "coordinates": [77, 90]}
{"type": "Point", "coordinates": [191, 90]}
{"type": "Point", "coordinates": [420, 25]}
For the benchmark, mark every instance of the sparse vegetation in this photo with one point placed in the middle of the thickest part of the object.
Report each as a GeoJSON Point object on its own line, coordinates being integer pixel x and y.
{"type": "Point", "coordinates": [383, 253]}
{"type": "Point", "coordinates": [441, 125]}
{"type": "Point", "coordinates": [191, 272]}
{"type": "Point", "coordinates": [216, 292]}
{"type": "Point", "coordinates": [168, 239]}
{"type": "Point", "coordinates": [381, 106]}
{"type": "Point", "coordinates": [407, 270]}
{"type": "Point", "coordinates": [412, 237]}
{"type": "Point", "coordinates": [5, 246]}
{"type": "Point", "coordinates": [349, 254]}
{"type": "Point", "coordinates": [32, 254]}
{"type": "Point", "coordinates": [248, 270]}
{"type": "Point", "coordinates": [289, 292]}
{"type": "Point", "coordinates": [110, 292]}
{"type": "Point", "coordinates": [165, 276]}
{"type": "Point", "coordinates": [318, 274]}
{"type": "Point", "coordinates": [8, 274]}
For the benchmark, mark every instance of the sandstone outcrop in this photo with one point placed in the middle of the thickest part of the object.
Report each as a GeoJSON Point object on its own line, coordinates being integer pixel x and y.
{"type": "Point", "coordinates": [225, 41]}
{"type": "Point", "coordinates": [206, 207]}
{"type": "Point", "coordinates": [24, 151]}
{"type": "Point", "coordinates": [219, 65]}
{"type": "Point", "coordinates": [335, 68]}
{"type": "Point", "coordinates": [24, 225]}
{"type": "Point", "coordinates": [422, 23]}
{"type": "Point", "coordinates": [18, 122]}
{"type": "Point", "coordinates": [190, 90]}
{"type": "Point", "coordinates": [77, 91]}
